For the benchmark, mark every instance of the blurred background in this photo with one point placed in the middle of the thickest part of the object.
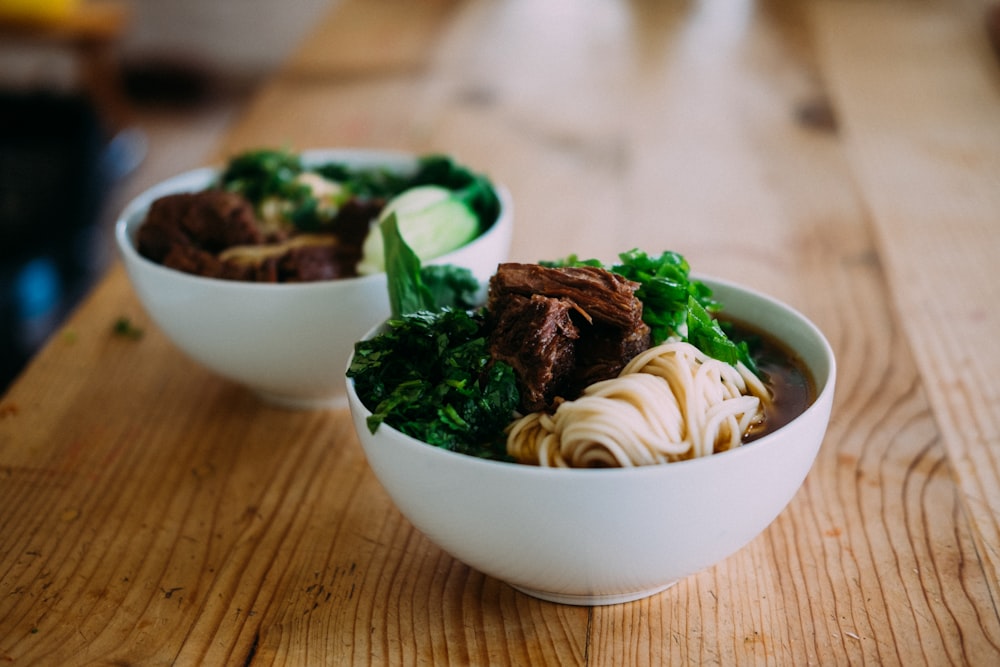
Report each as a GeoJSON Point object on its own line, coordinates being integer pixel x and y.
{"type": "Point", "coordinates": [100, 99]}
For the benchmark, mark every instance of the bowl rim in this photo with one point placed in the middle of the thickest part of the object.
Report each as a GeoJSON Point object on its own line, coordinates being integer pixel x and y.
{"type": "Point", "coordinates": [127, 223]}
{"type": "Point", "coordinates": [822, 401]}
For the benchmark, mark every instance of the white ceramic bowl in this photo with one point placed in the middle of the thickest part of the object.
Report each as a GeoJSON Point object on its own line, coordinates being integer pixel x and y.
{"type": "Point", "coordinates": [289, 343]}
{"type": "Point", "coordinates": [611, 535]}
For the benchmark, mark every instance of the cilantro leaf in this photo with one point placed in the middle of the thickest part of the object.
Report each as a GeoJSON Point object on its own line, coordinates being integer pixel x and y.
{"type": "Point", "coordinates": [430, 374]}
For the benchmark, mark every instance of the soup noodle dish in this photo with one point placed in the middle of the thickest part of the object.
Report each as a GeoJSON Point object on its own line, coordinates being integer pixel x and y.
{"type": "Point", "coordinates": [267, 268]}
{"type": "Point", "coordinates": [573, 364]}
{"type": "Point", "coordinates": [591, 434]}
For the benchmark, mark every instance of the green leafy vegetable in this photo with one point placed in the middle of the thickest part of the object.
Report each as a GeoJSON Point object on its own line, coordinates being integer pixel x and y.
{"type": "Point", "coordinates": [451, 286]}
{"type": "Point", "coordinates": [263, 173]}
{"type": "Point", "coordinates": [273, 175]}
{"type": "Point", "coordinates": [413, 287]}
{"type": "Point", "coordinates": [430, 374]}
{"type": "Point", "coordinates": [407, 291]}
{"type": "Point", "coordinates": [369, 182]}
{"type": "Point", "coordinates": [674, 304]}
{"type": "Point", "coordinates": [474, 190]}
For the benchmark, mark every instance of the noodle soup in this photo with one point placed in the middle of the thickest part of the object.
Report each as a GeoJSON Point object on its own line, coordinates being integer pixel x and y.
{"type": "Point", "coordinates": [637, 419]}
{"type": "Point", "coordinates": [611, 535]}
{"type": "Point", "coordinates": [578, 365]}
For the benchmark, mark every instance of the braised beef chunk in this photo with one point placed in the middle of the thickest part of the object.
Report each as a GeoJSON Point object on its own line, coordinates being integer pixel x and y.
{"type": "Point", "coordinates": [604, 296]}
{"type": "Point", "coordinates": [308, 263]}
{"type": "Point", "coordinates": [354, 219]}
{"type": "Point", "coordinates": [562, 329]}
{"type": "Point", "coordinates": [605, 353]}
{"type": "Point", "coordinates": [536, 336]}
{"type": "Point", "coordinates": [216, 234]}
{"type": "Point", "coordinates": [190, 259]}
{"type": "Point", "coordinates": [211, 220]}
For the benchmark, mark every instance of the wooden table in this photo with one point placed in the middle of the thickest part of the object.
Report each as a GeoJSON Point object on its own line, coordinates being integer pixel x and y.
{"type": "Point", "coordinates": [842, 156]}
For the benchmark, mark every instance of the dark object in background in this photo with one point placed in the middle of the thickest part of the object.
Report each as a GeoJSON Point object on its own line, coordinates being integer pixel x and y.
{"type": "Point", "coordinates": [53, 182]}
{"type": "Point", "coordinates": [992, 21]}
{"type": "Point", "coordinates": [165, 82]}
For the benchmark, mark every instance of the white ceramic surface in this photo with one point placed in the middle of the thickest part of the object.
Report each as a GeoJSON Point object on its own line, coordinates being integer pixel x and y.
{"type": "Point", "coordinates": [289, 343]}
{"type": "Point", "coordinates": [608, 536]}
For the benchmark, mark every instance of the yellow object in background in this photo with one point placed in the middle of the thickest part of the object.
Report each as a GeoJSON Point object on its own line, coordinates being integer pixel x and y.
{"type": "Point", "coordinates": [44, 11]}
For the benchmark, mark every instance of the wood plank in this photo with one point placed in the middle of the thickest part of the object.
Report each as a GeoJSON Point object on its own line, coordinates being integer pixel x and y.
{"type": "Point", "coordinates": [919, 92]}
{"type": "Point", "coordinates": [370, 38]}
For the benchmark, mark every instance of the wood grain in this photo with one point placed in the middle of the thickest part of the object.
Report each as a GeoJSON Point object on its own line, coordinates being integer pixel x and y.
{"type": "Point", "coordinates": [151, 513]}
{"type": "Point", "coordinates": [927, 165]}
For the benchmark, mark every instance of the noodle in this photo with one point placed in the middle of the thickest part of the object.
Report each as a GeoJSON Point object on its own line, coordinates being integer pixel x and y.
{"type": "Point", "coordinates": [670, 403]}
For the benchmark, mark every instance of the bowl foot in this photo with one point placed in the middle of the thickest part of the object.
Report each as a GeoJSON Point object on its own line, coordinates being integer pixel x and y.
{"type": "Point", "coordinates": [592, 600]}
{"type": "Point", "coordinates": [301, 402]}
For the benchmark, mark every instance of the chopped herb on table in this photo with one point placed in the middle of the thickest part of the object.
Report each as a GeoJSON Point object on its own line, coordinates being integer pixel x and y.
{"type": "Point", "coordinates": [124, 327]}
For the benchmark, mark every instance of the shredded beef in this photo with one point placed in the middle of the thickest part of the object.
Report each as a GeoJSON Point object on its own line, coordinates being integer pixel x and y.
{"type": "Point", "coordinates": [536, 336]}
{"type": "Point", "coordinates": [190, 231]}
{"type": "Point", "coordinates": [604, 296]}
{"type": "Point", "coordinates": [189, 259]}
{"type": "Point", "coordinates": [354, 218]}
{"type": "Point", "coordinates": [211, 220]}
{"type": "Point", "coordinates": [309, 263]}
{"type": "Point", "coordinates": [563, 329]}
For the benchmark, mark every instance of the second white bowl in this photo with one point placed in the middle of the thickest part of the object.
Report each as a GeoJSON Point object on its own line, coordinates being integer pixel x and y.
{"type": "Point", "coordinates": [289, 343]}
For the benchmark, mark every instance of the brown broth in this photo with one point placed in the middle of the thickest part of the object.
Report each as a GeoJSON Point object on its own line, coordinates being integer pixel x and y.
{"type": "Point", "coordinates": [783, 372]}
